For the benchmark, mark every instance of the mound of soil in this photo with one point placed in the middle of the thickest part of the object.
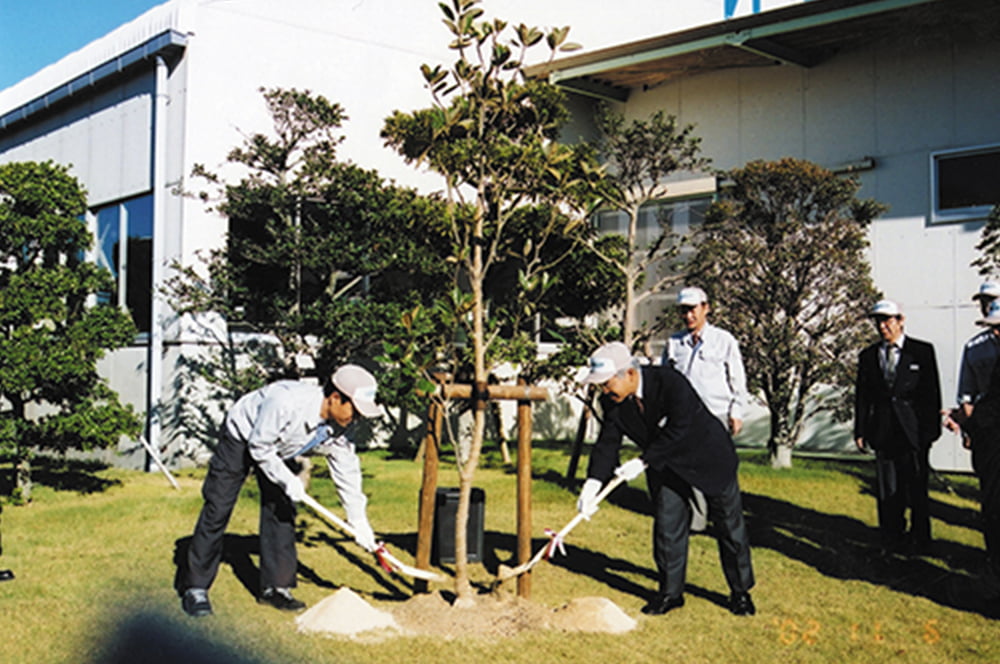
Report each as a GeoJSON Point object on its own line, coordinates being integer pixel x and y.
{"type": "Point", "coordinates": [488, 616]}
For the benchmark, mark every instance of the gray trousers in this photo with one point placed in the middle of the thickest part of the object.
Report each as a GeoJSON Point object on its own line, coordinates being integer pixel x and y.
{"type": "Point", "coordinates": [672, 527]}
{"type": "Point", "coordinates": [227, 471]}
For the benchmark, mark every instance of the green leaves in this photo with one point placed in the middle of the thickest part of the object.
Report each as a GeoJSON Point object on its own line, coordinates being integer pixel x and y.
{"type": "Point", "coordinates": [50, 340]}
{"type": "Point", "coordinates": [782, 257]}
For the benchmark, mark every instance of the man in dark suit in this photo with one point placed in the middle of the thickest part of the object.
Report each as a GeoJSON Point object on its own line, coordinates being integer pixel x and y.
{"type": "Point", "coordinates": [897, 414]}
{"type": "Point", "coordinates": [684, 446]}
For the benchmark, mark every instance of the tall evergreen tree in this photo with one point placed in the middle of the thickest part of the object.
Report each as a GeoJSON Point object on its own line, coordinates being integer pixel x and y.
{"type": "Point", "coordinates": [51, 395]}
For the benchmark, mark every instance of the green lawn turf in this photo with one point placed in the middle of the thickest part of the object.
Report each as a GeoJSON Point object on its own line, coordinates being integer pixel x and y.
{"type": "Point", "coordinates": [94, 559]}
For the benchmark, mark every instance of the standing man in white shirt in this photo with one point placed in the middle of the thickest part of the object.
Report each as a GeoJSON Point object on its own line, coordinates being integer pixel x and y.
{"type": "Point", "coordinates": [264, 432]}
{"type": "Point", "coordinates": [709, 357]}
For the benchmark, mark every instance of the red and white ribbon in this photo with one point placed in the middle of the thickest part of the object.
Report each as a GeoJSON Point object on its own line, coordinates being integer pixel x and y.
{"type": "Point", "coordinates": [380, 554]}
{"type": "Point", "coordinates": [555, 544]}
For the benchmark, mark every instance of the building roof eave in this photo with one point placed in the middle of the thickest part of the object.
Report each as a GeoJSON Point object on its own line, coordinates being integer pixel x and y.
{"type": "Point", "coordinates": [169, 44]}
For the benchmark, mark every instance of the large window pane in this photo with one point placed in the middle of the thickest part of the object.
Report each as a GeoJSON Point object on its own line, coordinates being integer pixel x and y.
{"type": "Point", "coordinates": [108, 234]}
{"type": "Point", "coordinates": [139, 261]}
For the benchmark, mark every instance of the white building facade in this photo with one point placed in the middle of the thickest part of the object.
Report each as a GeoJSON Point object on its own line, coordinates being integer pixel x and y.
{"type": "Point", "coordinates": [905, 94]}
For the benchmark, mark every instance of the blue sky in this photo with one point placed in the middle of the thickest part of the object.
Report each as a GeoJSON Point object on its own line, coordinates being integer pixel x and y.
{"type": "Point", "coordinates": [35, 33]}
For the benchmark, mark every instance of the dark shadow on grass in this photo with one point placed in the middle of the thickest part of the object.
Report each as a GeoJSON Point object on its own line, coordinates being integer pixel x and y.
{"type": "Point", "coordinates": [63, 475]}
{"type": "Point", "coordinates": [154, 638]}
{"type": "Point", "coordinates": [845, 548]}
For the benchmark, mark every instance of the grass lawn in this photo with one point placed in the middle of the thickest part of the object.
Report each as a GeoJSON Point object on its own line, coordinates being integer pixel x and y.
{"type": "Point", "coordinates": [94, 555]}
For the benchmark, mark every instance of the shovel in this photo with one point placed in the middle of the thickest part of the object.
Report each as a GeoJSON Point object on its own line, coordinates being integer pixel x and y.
{"type": "Point", "coordinates": [386, 559]}
{"type": "Point", "coordinates": [504, 572]}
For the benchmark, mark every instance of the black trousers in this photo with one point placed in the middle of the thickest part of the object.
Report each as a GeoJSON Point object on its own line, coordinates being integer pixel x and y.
{"type": "Point", "coordinates": [672, 529]}
{"type": "Point", "coordinates": [902, 482]}
{"type": "Point", "coordinates": [227, 471]}
{"type": "Point", "coordinates": [986, 462]}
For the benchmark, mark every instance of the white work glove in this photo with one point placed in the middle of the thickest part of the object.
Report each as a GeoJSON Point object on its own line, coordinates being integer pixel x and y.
{"type": "Point", "coordinates": [586, 504]}
{"type": "Point", "coordinates": [365, 536]}
{"type": "Point", "coordinates": [296, 490]}
{"type": "Point", "coordinates": [630, 469]}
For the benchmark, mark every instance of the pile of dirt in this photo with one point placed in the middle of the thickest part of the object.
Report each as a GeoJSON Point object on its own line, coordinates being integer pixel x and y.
{"type": "Point", "coordinates": [488, 617]}
{"type": "Point", "coordinates": [344, 612]}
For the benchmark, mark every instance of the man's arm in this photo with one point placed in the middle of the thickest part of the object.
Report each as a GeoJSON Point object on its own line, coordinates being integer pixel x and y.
{"type": "Point", "coordinates": [269, 426]}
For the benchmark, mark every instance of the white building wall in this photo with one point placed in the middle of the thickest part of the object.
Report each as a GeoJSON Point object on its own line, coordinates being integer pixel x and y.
{"type": "Point", "coordinates": [896, 101]}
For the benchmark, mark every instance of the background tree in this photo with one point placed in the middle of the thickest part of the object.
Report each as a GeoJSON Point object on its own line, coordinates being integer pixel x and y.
{"type": "Point", "coordinates": [511, 190]}
{"type": "Point", "coordinates": [322, 255]}
{"type": "Point", "coordinates": [639, 156]}
{"type": "Point", "coordinates": [988, 261]}
{"type": "Point", "coordinates": [50, 339]}
{"type": "Point", "coordinates": [782, 256]}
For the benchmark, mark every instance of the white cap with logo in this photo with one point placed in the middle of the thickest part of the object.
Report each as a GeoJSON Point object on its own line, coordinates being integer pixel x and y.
{"type": "Point", "coordinates": [607, 361]}
{"type": "Point", "coordinates": [691, 296]}
{"type": "Point", "coordinates": [886, 308]}
{"type": "Point", "coordinates": [359, 386]}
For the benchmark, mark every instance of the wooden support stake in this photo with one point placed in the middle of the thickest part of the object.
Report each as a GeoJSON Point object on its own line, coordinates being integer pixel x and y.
{"type": "Point", "coordinates": [524, 494]}
{"type": "Point", "coordinates": [428, 491]}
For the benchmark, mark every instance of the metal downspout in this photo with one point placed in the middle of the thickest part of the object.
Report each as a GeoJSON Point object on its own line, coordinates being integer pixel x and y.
{"type": "Point", "coordinates": [155, 385]}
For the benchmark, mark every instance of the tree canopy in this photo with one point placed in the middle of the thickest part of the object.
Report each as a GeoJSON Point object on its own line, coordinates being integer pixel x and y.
{"type": "Point", "coordinates": [50, 336]}
{"type": "Point", "coordinates": [322, 255]}
{"type": "Point", "coordinates": [782, 257]}
{"type": "Point", "coordinates": [515, 195]}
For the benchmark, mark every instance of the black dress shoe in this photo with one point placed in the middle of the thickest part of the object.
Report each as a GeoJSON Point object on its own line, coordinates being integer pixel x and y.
{"type": "Point", "coordinates": [741, 604]}
{"type": "Point", "coordinates": [280, 598]}
{"type": "Point", "coordinates": [661, 603]}
{"type": "Point", "coordinates": [195, 603]}
{"type": "Point", "coordinates": [6, 575]}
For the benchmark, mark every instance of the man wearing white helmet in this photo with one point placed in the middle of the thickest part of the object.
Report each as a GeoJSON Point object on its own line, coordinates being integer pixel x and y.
{"type": "Point", "coordinates": [981, 426]}
{"type": "Point", "coordinates": [683, 448]}
{"type": "Point", "coordinates": [979, 354]}
{"type": "Point", "coordinates": [897, 414]}
{"type": "Point", "coordinates": [264, 432]}
{"type": "Point", "coordinates": [709, 357]}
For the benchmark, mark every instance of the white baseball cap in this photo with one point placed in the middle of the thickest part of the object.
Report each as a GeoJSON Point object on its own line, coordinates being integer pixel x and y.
{"type": "Point", "coordinates": [987, 289]}
{"type": "Point", "coordinates": [359, 386]}
{"type": "Point", "coordinates": [607, 361]}
{"type": "Point", "coordinates": [691, 296]}
{"type": "Point", "coordinates": [885, 308]}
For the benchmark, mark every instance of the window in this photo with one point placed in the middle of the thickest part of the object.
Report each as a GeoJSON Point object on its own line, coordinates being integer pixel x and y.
{"type": "Point", "coordinates": [132, 268]}
{"type": "Point", "coordinates": [682, 216]}
{"type": "Point", "coordinates": [965, 183]}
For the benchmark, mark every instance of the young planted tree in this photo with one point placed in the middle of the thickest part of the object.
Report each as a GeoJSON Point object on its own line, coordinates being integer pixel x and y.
{"type": "Point", "coordinates": [512, 189]}
{"type": "Point", "coordinates": [782, 256]}
{"type": "Point", "coordinates": [50, 338]}
{"type": "Point", "coordinates": [321, 255]}
{"type": "Point", "coordinates": [639, 157]}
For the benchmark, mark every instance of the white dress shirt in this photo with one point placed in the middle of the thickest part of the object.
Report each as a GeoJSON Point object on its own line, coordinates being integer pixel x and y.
{"type": "Point", "coordinates": [714, 367]}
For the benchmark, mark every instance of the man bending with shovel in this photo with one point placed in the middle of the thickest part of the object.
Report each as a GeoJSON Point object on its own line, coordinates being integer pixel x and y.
{"type": "Point", "coordinates": [265, 431]}
{"type": "Point", "coordinates": [683, 446]}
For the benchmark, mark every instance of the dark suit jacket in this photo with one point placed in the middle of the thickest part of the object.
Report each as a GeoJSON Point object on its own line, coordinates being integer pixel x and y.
{"type": "Point", "coordinates": [675, 432]}
{"type": "Point", "coordinates": [912, 404]}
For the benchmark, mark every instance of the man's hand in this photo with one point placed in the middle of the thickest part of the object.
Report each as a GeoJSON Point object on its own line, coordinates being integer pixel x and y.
{"type": "Point", "coordinates": [365, 537]}
{"type": "Point", "coordinates": [735, 425]}
{"type": "Point", "coordinates": [630, 469]}
{"type": "Point", "coordinates": [586, 504]}
{"type": "Point", "coordinates": [296, 490]}
{"type": "Point", "coordinates": [860, 442]}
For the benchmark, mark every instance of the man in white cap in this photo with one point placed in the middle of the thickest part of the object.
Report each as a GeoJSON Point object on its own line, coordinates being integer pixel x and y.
{"type": "Point", "coordinates": [683, 447]}
{"type": "Point", "coordinates": [979, 354]}
{"type": "Point", "coordinates": [709, 357]}
{"type": "Point", "coordinates": [897, 414]}
{"type": "Point", "coordinates": [265, 431]}
{"type": "Point", "coordinates": [981, 425]}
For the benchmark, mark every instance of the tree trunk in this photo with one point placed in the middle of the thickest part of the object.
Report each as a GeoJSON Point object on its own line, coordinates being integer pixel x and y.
{"type": "Point", "coordinates": [22, 478]}
{"type": "Point", "coordinates": [781, 440]}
